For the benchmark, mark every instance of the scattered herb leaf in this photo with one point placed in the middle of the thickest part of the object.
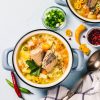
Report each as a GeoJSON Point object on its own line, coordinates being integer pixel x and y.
{"type": "Point", "coordinates": [32, 65]}
{"type": "Point", "coordinates": [35, 70]}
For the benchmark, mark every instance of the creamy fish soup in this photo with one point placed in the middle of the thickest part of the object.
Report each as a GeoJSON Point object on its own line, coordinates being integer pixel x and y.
{"type": "Point", "coordinates": [43, 59]}
{"type": "Point", "coordinates": [87, 8]}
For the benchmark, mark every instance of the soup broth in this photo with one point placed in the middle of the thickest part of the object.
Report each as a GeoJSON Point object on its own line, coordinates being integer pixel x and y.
{"type": "Point", "coordinates": [43, 59]}
{"type": "Point", "coordinates": [87, 8]}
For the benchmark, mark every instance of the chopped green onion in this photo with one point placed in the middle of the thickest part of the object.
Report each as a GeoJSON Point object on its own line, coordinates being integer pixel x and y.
{"type": "Point", "coordinates": [54, 18]}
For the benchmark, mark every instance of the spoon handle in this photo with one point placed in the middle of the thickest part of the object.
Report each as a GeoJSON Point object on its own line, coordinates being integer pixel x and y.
{"type": "Point", "coordinates": [73, 90]}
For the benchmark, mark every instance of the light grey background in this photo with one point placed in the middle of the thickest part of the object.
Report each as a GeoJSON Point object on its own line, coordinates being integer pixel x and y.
{"type": "Point", "coordinates": [18, 17]}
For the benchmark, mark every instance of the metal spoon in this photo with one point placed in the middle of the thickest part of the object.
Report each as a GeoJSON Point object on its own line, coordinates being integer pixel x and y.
{"type": "Point", "coordinates": [93, 64]}
{"type": "Point", "coordinates": [94, 61]}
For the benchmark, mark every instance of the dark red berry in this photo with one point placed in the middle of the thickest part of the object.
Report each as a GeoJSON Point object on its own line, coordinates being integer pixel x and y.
{"type": "Point", "coordinates": [70, 39]}
{"type": "Point", "coordinates": [84, 36]}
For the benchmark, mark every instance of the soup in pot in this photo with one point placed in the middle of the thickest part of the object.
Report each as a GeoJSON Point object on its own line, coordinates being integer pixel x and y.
{"type": "Point", "coordinates": [87, 8]}
{"type": "Point", "coordinates": [43, 59]}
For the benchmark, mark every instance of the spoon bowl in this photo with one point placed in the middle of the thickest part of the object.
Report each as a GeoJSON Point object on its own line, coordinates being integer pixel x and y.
{"type": "Point", "coordinates": [94, 61]}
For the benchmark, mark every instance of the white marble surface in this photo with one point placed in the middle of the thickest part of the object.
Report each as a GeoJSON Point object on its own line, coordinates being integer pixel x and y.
{"type": "Point", "coordinates": [18, 17]}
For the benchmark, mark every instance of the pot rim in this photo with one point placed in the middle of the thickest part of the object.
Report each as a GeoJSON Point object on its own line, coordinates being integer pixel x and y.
{"type": "Point", "coordinates": [38, 85]}
{"type": "Point", "coordinates": [79, 16]}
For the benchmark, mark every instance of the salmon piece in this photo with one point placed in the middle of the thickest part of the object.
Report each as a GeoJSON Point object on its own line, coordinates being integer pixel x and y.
{"type": "Point", "coordinates": [49, 61]}
{"type": "Point", "coordinates": [37, 55]}
{"type": "Point", "coordinates": [92, 3]}
{"type": "Point", "coordinates": [30, 44]}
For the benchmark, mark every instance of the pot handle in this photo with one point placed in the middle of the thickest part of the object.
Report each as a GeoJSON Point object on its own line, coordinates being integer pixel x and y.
{"type": "Point", "coordinates": [5, 62]}
{"type": "Point", "coordinates": [78, 63]}
{"type": "Point", "coordinates": [61, 2]}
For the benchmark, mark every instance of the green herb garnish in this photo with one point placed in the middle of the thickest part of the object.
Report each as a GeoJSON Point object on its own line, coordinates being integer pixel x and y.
{"type": "Point", "coordinates": [25, 48]}
{"type": "Point", "coordinates": [35, 69]}
{"type": "Point", "coordinates": [54, 18]}
{"type": "Point", "coordinates": [36, 72]}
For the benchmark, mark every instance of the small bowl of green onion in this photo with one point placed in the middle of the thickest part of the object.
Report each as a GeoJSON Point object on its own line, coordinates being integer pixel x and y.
{"type": "Point", "coordinates": [54, 18]}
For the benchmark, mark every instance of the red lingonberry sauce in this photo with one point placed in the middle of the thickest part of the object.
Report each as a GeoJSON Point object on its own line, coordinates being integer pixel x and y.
{"type": "Point", "coordinates": [94, 37]}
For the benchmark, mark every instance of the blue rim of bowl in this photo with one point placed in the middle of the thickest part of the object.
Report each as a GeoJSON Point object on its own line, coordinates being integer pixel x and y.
{"type": "Point", "coordinates": [60, 27]}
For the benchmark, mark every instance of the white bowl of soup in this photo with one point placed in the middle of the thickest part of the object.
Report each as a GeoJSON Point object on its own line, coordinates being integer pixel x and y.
{"type": "Point", "coordinates": [86, 10]}
{"type": "Point", "coordinates": [48, 53]}
{"type": "Point", "coordinates": [42, 58]}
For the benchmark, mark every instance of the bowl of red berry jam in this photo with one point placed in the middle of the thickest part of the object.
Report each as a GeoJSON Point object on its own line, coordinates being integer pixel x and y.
{"type": "Point", "coordinates": [93, 37]}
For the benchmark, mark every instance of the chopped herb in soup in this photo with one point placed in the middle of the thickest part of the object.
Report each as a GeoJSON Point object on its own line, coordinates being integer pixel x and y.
{"type": "Point", "coordinates": [43, 59]}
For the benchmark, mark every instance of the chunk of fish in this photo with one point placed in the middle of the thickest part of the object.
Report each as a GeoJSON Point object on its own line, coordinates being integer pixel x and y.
{"type": "Point", "coordinates": [49, 61]}
{"type": "Point", "coordinates": [30, 44]}
{"type": "Point", "coordinates": [37, 55]}
{"type": "Point", "coordinates": [92, 3]}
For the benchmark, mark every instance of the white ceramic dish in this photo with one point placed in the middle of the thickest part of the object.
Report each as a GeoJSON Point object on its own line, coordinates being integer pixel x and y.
{"type": "Point", "coordinates": [67, 3]}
